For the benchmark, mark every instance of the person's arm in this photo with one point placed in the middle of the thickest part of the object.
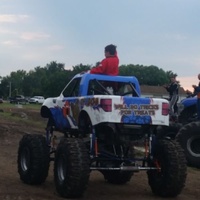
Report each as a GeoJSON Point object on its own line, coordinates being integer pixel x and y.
{"type": "Point", "coordinates": [196, 89]}
{"type": "Point", "coordinates": [100, 69]}
{"type": "Point", "coordinates": [167, 87]}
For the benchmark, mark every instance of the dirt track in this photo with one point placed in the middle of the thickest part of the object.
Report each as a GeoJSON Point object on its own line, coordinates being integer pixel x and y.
{"type": "Point", "coordinates": [11, 188]}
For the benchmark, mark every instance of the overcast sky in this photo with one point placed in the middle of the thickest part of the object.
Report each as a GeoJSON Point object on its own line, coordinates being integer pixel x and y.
{"type": "Point", "coordinates": [164, 33]}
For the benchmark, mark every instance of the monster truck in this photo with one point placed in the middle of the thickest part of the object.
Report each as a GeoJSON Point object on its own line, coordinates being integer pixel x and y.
{"type": "Point", "coordinates": [187, 110]}
{"type": "Point", "coordinates": [102, 123]}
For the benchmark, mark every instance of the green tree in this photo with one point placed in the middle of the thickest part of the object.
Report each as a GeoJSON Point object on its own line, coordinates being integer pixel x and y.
{"type": "Point", "coordinates": [52, 78]}
{"type": "Point", "coordinates": [80, 68]}
{"type": "Point", "coordinates": [146, 75]}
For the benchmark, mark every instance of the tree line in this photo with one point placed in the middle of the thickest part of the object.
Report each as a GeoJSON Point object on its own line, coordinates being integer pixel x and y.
{"type": "Point", "coordinates": [49, 80]}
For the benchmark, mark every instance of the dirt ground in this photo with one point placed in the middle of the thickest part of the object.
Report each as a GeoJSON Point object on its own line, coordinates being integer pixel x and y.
{"type": "Point", "coordinates": [11, 188]}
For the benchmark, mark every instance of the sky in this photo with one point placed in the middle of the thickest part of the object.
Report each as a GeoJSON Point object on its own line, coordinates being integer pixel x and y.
{"type": "Point", "coordinates": [163, 33]}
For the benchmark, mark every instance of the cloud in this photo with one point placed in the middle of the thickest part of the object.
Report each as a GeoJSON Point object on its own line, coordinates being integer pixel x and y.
{"type": "Point", "coordinates": [7, 31]}
{"type": "Point", "coordinates": [34, 36]}
{"type": "Point", "coordinates": [12, 18]}
{"type": "Point", "coordinates": [10, 43]}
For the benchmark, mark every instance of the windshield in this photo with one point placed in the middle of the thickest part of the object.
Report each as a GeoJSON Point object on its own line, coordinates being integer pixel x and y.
{"type": "Point", "coordinates": [111, 87]}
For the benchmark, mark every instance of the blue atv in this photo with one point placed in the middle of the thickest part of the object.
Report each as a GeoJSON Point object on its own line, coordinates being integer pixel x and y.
{"type": "Point", "coordinates": [188, 135]}
{"type": "Point", "coordinates": [189, 138]}
{"type": "Point", "coordinates": [187, 110]}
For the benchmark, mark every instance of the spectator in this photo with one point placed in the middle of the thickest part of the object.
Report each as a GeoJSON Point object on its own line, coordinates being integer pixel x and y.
{"type": "Point", "coordinates": [173, 89]}
{"type": "Point", "coordinates": [109, 65]}
{"type": "Point", "coordinates": [197, 92]}
{"type": "Point", "coordinates": [189, 94]}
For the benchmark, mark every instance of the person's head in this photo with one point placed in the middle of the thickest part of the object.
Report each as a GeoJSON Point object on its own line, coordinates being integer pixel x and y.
{"type": "Point", "coordinates": [173, 78]}
{"type": "Point", "coordinates": [110, 50]}
{"type": "Point", "coordinates": [199, 76]}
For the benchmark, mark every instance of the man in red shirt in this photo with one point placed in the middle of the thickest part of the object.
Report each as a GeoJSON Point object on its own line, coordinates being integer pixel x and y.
{"type": "Point", "coordinates": [109, 65]}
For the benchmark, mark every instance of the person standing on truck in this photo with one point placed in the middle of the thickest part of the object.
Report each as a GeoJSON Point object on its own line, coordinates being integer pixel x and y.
{"type": "Point", "coordinates": [173, 89]}
{"type": "Point", "coordinates": [197, 92]}
{"type": "Point", "coordinates": [109, 65]}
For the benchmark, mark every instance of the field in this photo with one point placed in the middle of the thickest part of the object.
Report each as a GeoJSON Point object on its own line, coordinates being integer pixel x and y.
{"type": "Point", "coordinates": [17, 120]}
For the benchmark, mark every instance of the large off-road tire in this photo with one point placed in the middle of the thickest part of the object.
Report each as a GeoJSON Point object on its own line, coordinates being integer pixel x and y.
{"type": "Point", "coordinates": [168, 131]}
{"type": "Point", "coordinates": [33, 159]}
{"type": "Point", "coordinates": [71, 168]}
{"type": "Point", "coordinates": [117, 177]}
{"type": "Point", "coordinates": [188, 114]}
{"type": "Point", "coordinates": [189, 139]}
{"type": "Point", "coordinates": [170, 179]}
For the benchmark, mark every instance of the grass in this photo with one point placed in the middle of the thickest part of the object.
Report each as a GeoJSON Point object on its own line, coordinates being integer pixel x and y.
{"type": "Point", "coordinates": [8, 105]}
{"type": "Point", "coordinates": [12, 112]}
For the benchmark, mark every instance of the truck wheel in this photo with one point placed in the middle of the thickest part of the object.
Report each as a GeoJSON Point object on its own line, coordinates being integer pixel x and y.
{"type": "Point", "coordinates": [189, 139]}
{"type": "Point", "coordinates": [33, 159]}
{"type": "Point", "coordinates": [188, 115]}
{"type": "Point", "coordinates": [168, 131]}
{"type": "Point", "coordinates": [169, 180]}
{"type": "Point", "coordinates": [117, 177]}
{"type": "Point", "coordinates": [71, 168]}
